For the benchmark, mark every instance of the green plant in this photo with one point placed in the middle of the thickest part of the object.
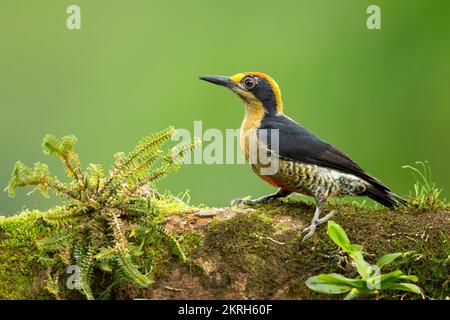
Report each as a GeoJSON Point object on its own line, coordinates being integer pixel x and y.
{"type": "Point", "coordinates": [370, 280]}
{"type": "Point", "coordinates": [426, 194]}
{"type": "Point", "coordinates": [107, 219]}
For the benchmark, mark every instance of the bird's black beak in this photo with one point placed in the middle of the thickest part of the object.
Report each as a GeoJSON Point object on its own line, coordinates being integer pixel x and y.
{"type": "Point", "coordinates": [220, 80]}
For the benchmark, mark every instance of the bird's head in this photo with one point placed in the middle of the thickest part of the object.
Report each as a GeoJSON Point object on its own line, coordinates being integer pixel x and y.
{"type": "Point", "coordinates": [254, 88]}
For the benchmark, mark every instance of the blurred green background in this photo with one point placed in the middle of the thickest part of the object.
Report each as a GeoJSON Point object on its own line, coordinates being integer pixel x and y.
{"type": "Point", "coordinates": [381, 96]}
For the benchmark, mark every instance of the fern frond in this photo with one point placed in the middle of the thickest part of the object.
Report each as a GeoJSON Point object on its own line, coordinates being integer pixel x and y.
{"type": "Point", "coordinates": [147, 146]}
{"type": "Point", "coordinates": [120, 241]}
{"type": "Point", "coordinates": [64, 149]}
{"type": "Point", "coordinates": [105, 254]}
{"type": "Point", "coordinates": [62, 216]}
{"type": "Point", "coordinates": [84, 258]}
{"type": "Point", "coordinates": [23, 176]}
{"type": "Point", "coordinates": [143, 152]}
{"type": "Point", "coordinates": [56, 241]}
{"type": "Point", "coordinates": [142, 207]}
{"type": "Point", "coordinates": [171, 162]}
{"type": "Point", "coordinates": [178, 153]}
{"type": "Point", "coordinates": [143, 168]}
{"type": "Point", "coordinates": [172, 242]}
{"type": "Point", "coordinates": [95, 174]}
{"type": "Point", "coordinates": [128, 270]}
{"type": "Point", "coordinates": [52, 145]}
{"type": "Point", "coordinates": [105, 221]}
{"type": "Point", "coordinates": [152, 177]}
{"type": "Point", "coordinates": [63, 189]}
{"type": "Point", "coordinates": [52, 285]}
{"type": "Point", "coordinates": [39, 177]}
{"type": "Point", "coordinates": [150, 228]}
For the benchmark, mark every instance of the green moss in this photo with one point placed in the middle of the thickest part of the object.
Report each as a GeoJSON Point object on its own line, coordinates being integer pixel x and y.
{"type": "Point", "coordinates": [22, 275]}
{"type": "Point", "coordinates": [190, 241]}
{"type": "Point", "coordinates": [246, 252]}
{"type": "Point", "coordinates": [172, 205]}
{"type": "Point", "coordinates": [238, 239]}
{"type": "Point", "coordinates": [25, 269]}
{"type": "Point", "coordinates": [249, 255]}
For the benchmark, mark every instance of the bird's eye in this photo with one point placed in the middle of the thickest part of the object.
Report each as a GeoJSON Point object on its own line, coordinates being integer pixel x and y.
{"type": "Point", "coordinates": [249, 83]}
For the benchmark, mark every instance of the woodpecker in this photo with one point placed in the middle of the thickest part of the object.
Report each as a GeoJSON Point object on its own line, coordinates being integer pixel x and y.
{"type": "Point", "coordinates": [306, 164]}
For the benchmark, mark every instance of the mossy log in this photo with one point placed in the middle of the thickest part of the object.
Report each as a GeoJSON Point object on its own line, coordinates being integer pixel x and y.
{"type": "Point", "coordinates": [247, 253]}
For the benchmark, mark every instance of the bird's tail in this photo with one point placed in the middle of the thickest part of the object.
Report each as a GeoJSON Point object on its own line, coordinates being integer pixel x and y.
{"type": "Point", "coordinates": [385, 197]}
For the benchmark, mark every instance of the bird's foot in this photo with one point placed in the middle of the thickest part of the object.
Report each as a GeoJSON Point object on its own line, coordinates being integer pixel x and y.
{"type": "Point", "coordinates": [240, 202]}
{"type": "Point", "coordinates": [314, 223]}
{"type": "Point", "coordinates": [281, 193]}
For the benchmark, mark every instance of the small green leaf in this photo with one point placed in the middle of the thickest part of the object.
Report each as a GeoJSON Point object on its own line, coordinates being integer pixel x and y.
{"type": "Point", "coordinates": [338, 235]}
{"type": "Point", "coordinates": [335, 278]}
{"type": "Point", "coordinates": [409, 287]}
{"type": "Point", "coordinates": [355, 248]}
{"type": "Point", "coordinates": [321, 286]}
{"type": "Point", "coordinates": [388, 258]}
{"type": "Point", "coordinates": [409, 278]}
{"type": "Point", "coordinates": [362, 266]}
{"type": "Point", "coordinates": [391, 276]}
{"type": "Point", "coordinates": [352, 294]}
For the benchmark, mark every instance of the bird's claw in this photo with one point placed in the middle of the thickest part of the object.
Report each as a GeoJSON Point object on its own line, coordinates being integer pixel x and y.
{"type": "Point", "coordinates": [312, 228]}
{"type": "Point", "coordinates": [240, 202]}
{"type": "Point", "coordinates": [309, 235]}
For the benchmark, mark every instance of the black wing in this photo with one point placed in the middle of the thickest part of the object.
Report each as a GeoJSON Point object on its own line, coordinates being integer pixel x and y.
{"type": "Point", "coordinates": [298, 144]}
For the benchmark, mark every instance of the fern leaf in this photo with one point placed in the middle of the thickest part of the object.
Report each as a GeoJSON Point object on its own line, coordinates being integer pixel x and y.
{"type": "Point", "coordinates": [120, 241]}
{"type": "Point", "coordinates": [179, 152]}
{"type": "Point", "coordinates": [145, 147]}
{"type": "Point", "coordinates": [84, 259]}
{"type": "Point", "coordinates": [52, 145]}
{"type": "Point", "coordinates": [128, 271]}
{"type": "Point", "coordinates": [95, 174]}
{"type": "Point", "coordinates": [171, 162]}
{"type": "Point", "coordinates": [52, 285]}
{"type": "Point", "coordinates": [105, 254]}
{"type": "Point", "coordinates": [139, 169]}
{"type": "Point", "coordinates": [172, 242]}
{"type": "Point", "coordinates": [55, 241]}
{"type": "Point", "coordinates": [62, 216]}
{"type": "Point", "coordinates": [64, 149]}
{"type": "Point", "coordinates": [23, 176]}
{"type": "Point", "coordinates": [105, 221]}
{"type": "Point", "coordinates": [142, 230]}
